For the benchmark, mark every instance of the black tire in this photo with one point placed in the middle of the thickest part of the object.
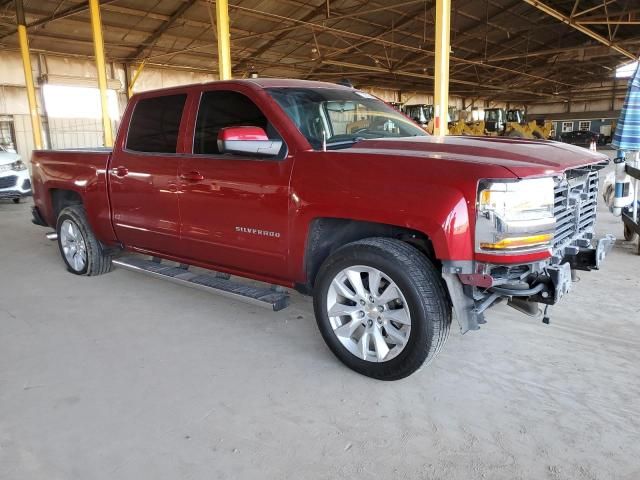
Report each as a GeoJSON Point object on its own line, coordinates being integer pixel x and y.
{"type": "Point", "coordinates": [422, 287]}
{"type": "Point", "coordinates": [608, 196]}
{"type": "Point", "coordinates": [629, 235]}
{"type": "Point", "coordinates": [16, 200]}
{"type": "Point", "coordinates": [98, 261]}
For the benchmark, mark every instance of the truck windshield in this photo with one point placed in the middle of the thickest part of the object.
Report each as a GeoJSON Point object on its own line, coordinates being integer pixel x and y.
{"type": "Point", "coordinates": [339, 118]}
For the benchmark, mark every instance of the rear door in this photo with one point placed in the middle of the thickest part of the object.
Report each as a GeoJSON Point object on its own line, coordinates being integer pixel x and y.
{"type": "Point", "coordinates": [234, 208]}
{"type": "Point", "coordinates": [143, 174]}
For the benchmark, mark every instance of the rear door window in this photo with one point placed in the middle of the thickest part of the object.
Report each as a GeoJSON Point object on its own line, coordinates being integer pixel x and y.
{"type": "Point", "coordinates": [155, 124]}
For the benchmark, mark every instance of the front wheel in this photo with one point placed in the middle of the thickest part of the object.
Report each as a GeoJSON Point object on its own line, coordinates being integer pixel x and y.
{"type": "Point", "coordinates": [81, 251]}
{"type": "Point", "coordinates": [629, 235]}
{"type": "Point", "coordinates": [381, 307]}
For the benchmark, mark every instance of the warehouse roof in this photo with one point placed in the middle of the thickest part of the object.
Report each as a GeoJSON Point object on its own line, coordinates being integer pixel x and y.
{"type": "Point", "coordinates": [500, 49]}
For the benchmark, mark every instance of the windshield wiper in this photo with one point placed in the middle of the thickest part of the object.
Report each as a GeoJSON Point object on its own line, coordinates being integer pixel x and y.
{"type": "Point", "coordinates": [344, 143]}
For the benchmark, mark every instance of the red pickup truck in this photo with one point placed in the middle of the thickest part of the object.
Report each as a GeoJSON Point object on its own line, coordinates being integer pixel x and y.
{"type": "Point", "coordinates": [328, 190]}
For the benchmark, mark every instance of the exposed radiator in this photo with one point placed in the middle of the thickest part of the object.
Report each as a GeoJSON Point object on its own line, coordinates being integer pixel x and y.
{"type": "Point", "coordinates": [576, 202]}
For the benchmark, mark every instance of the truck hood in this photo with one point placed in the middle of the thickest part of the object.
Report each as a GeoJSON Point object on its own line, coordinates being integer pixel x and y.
{"type": "Point", "coordinates": [524, 158]}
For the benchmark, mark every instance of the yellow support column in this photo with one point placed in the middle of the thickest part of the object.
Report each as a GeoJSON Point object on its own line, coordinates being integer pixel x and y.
{"type": "Point", "coordinates": [441, 81]}
{"type": "Point", "coordinates": [28, 76]}
{"type": "Point", "coordinates": [224, 47]}
{"type": "Point", "coordinates": [98, 45]}
{"type": "Point", "coordinates": [135, 78]}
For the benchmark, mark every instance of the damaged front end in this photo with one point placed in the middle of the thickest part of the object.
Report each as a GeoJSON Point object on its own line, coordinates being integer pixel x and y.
{"type": "Point", "coordinates": [476, 286]}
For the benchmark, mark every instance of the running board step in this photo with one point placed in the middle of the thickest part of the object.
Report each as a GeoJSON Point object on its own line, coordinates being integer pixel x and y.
{"type": "Point", "coordinates": [212, 282]}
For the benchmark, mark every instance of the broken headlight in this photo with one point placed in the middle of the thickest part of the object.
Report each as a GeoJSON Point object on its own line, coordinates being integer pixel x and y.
{"type": "Point", "coordinates": [515, 216]}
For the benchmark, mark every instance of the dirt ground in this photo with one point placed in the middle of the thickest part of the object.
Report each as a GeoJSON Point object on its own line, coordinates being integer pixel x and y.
{"type": "Point", "coordinates": [126, 377]}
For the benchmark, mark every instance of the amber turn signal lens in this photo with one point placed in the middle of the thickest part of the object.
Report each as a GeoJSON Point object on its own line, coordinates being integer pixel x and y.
{"type": "Point", "coordinates": [519, 242]}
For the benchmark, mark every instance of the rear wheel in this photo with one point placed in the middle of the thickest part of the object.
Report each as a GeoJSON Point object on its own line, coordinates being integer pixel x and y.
{"type": "Point", "coordinates": [81, 251]}
{"type": "Point", "coordinates": [381, 307]}
{"type": "Point", "coordinates": [16, 200]}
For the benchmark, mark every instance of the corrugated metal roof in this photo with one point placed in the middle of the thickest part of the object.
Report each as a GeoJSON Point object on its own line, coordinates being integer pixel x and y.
{"type": "Point", "coordinates": [501, 49]}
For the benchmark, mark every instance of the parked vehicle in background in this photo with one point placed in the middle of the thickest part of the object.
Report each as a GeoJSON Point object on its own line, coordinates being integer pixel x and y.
{"type": "Point", "coordinates": [328, 190]}
{"type": "Point", "coordinates": [584, 138]}
{"type": "Point", "coordinates": [512, 123]}
{"type": "Point", "coordinates": [423, 115]}
{"type": "Point", "coordinates": [602, 139]}
{"type": "Point", "coordinates": [15, 183]}
{"type": "Point", "coordinates": [498, 122]}
{"type": "Point", "coordinates": [420, 113]}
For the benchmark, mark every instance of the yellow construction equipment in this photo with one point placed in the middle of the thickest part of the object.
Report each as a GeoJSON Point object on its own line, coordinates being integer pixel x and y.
{"type": "Point", "coordinates": [467, 128]}
{"type": "Point", "coordinates": [476, 128]}
{"type": "Point", "coordinates": [423, 115]}
{"type": "Point", "coordinates": [503, 123]}
{"type": "Point", "coordinates": [458, 128]}
{"type": "Point", "coordinates": [497, 122]}
{"type": "Point", "coordinates": [511, 123]}
{"type": "Point", "coordinates": [540, 131]}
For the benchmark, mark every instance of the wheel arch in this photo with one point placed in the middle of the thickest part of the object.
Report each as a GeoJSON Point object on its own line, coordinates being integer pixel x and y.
{"type": "Point", "coordinates": [327, 234]}
{"type": "Point", "coordinates": [62, 198]}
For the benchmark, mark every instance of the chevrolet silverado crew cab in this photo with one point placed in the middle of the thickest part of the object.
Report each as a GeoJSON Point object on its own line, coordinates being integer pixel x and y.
{"type": "Point", "coordinates": [328, 190]}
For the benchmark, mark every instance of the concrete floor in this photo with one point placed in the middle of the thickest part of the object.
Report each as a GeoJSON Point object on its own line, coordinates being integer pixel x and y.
{"type": "Point", "coordinates": [126, 377]}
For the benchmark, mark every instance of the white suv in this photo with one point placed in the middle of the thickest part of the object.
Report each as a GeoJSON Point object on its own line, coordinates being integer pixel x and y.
{"type": "Point", "coordinates": [14, 176]}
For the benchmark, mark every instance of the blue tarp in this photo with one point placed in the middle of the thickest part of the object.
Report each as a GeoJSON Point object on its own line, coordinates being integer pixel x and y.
{"type": "Point", "coordinates": [627, 134]}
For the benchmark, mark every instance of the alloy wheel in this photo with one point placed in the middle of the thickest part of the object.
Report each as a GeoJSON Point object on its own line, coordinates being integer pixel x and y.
{"type": "Point", "coordinates": [73, 245]}
{"type": "Point", "coordinates": [368, 313]}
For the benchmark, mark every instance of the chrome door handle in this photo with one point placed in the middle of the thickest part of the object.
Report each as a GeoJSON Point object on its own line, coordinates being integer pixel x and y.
{"type": "Point", "coordinates": [192, 176]}
{"type": "Point", "coordinates": [119, 171]}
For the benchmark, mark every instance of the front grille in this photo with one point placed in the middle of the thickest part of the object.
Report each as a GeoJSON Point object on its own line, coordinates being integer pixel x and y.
{"type": "Point", "coordinates": [6, 182]}
{"type": "Point", "coordinates": [576, 201]}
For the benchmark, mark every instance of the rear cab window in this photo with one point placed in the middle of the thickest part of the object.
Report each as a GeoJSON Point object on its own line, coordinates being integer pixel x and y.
{"type": "Point", "coordinates": [155, 124]}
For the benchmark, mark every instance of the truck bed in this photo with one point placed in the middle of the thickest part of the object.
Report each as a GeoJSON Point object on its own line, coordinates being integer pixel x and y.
{"type": "Point", "coordinates": [80, 149]}
{"type": "Point", "coordinates": [77, 171]}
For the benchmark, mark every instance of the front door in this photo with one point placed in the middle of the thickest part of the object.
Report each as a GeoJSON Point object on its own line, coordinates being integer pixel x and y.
{"type": "Point", "coordinates": [143, 176]}
{"type": "Point", "coordinates": [234, 208]}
